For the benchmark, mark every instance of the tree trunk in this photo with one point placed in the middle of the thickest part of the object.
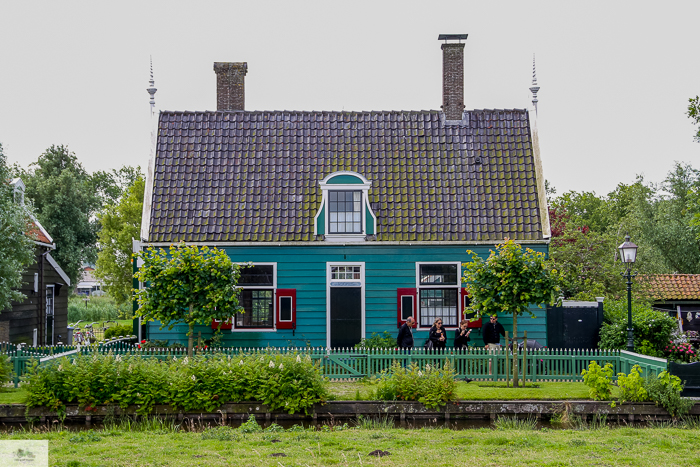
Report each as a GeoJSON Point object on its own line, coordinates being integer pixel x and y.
{"type": "Point", "coordinates": [190, 335]}
{"type": "Point", "coordinates": [515, 350]}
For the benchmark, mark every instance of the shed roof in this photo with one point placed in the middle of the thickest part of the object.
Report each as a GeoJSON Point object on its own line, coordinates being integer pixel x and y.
{"type": "Point", "coordinates": [674, 286]}
{"type": "Point", "coordinates": [248, 176]}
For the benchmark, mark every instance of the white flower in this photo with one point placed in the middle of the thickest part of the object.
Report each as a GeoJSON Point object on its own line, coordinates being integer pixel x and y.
{"type": "Point", "coordinates": [427, 367]}
{"type": "Point", "coordinates": [272, 364]}
{"type": "Point", "coordinates": [174, 359]}
{"type": "Point", "coordinates": [193, 377]}
{"type": "Point", "coordinates": [241, 362]}
{"type": "Point", "coordinates": [281, 366]}
{"type": "Point", "coordinates": [298, 358]}
{"type": "Point", "coordinates": [60, 367]}
{"type": "Point", "coordinates": [185, 361]}
{"type": "Point", "coordinates": [118, 358]}
{"type": "Point", "coordinates": [74, 362]}
{"type": "Point", "coordinates": [420, 373]}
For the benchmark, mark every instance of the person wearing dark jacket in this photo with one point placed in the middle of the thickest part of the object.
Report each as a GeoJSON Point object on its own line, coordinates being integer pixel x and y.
{"type": "Point", "coordinates": [462, 335]}
{"type": "Point", "coordinates": [492, 331]}
{"type": "Point", "coordinates": [405, 338]}
{"type": "Point", "coordinates": [438, 335]}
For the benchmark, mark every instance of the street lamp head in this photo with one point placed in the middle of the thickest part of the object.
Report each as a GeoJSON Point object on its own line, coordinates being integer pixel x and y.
{"type": "Point", "coordinates": [628, 251]}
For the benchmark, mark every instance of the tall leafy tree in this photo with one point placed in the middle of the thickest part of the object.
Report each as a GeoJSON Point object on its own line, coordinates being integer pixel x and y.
{"type": "Point", "coordinates": [65, 200]}
{"type": "Point", "coordinates": [120, 223]}
{"type": "Point", "coordinates": [509, 281]}
{"type": "Point", "coordinates": [665, 221]}
{"type": "Point", "coordinates": [187, 284]}
{"type": "Point", "coordinates": [694, 114]}
{"type": "Point", "coordinates": [16, 249]}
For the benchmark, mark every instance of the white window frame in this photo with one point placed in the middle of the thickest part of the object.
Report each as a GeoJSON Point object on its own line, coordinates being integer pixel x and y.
{"type": "Point", "coordinates": [457, 287]}
{"type": "Point", "coordinates": [279, 308]}
{"type": "Point", "coordinates": [344, 283]}
{"type": "Point", "coordinates": [265, 287]}
{"type": "Point", "coordinates": [363, 188]}
{"type": "Point", "coordinates": [49, 340]}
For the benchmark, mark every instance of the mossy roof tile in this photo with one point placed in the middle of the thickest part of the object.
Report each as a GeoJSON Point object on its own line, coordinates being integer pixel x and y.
{"type": "Point", "coordinates": [253, 176]}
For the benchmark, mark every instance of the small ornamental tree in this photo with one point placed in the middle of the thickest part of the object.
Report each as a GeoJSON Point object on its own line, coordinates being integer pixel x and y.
{"type": "Point", "coordinates": [508, 281]}
{"type": "Point", "coordinates": [187, 284]}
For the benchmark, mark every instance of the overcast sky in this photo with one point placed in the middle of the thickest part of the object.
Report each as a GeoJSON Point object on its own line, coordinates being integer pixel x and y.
{"type": "Point", "coordinates": [615, 77]}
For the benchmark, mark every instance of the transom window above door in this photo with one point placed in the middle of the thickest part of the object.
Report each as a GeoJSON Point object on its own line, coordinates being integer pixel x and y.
{"type": "Point", "coordinates": [345, 212]}
{"type": "Point", "coordinates": [345, 272]}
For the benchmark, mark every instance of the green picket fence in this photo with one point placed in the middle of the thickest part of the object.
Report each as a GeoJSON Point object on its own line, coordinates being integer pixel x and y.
{"type": "Point", "coordinates": [353, 364]}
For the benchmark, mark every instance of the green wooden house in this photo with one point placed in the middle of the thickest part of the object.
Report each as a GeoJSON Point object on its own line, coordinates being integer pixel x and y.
{"type": "Point", "coordinates": [353, 220]}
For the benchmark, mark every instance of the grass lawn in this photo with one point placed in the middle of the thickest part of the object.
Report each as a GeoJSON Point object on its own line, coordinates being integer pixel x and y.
{"type": "Point", "coordinates": [10, 395]}
{"type": "Point", "coordinates": [224, 446]}
{"type": "Point", "coordinates": [465, 391]}
{"type": "Point", "coordinates": [480, 390]}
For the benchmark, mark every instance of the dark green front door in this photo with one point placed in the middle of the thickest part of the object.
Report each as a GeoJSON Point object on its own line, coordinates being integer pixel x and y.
{"type": "Point", "coordinates": [346, 316]}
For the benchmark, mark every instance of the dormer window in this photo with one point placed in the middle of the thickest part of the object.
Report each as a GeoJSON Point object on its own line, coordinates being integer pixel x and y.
{"type": "Point", "coordinates": [345, 214]}
{"type": "Point", "coordinates": [345, 211]}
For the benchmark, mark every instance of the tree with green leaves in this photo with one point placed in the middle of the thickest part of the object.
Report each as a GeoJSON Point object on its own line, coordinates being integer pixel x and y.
{"type": "Point", "coordinates": [66, 202]}
{"type": "Point", "coordinates": [16, 249]}
{"type": "Point", "coordinates": [509, 281]}
{"type": "Point", "coordinates": [120, 223]}
{"type": "Point", "coordinates": [187, 284]}
{"type": "Point", "coordinates": [694, 114]}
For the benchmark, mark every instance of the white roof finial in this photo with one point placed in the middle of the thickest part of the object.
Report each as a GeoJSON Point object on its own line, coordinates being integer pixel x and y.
{"type": "Point", "coordinates": [534, 88]}
{"type": "Point", "coordinates": [152, 89]}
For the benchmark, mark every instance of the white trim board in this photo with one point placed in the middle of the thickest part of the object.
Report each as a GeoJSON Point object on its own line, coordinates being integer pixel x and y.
{"type": "Point", "coordinates": [58, 269]}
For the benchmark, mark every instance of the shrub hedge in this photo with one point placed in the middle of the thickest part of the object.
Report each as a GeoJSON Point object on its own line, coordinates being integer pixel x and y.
{"type": "Point", "coordinates": [289, 382]}
{"type": "Point", "coordinates": [652, 329]}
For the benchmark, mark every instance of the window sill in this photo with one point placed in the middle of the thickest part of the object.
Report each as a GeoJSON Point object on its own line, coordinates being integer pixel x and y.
{"type": "Point", "coordinates": [345, 238]}
{"type": "Point", "coordinates": [253, 330]}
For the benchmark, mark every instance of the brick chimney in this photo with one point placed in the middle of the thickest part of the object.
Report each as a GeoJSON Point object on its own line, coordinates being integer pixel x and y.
{"type": "Point", "coordinates": [453, 76]}
{"type": "Point", "coordinates": [230, 85]}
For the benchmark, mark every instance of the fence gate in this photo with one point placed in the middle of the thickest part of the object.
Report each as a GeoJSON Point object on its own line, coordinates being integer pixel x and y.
{"type": "Point", "coordinates": [575, 325]}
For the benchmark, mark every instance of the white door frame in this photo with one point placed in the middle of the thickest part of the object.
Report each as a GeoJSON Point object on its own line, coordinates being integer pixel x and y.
{"type": "Point", "coordinates": [344, 283]}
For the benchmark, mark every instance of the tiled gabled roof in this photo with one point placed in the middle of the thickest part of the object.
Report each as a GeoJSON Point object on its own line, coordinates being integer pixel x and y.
{"type": "Point", "coordinates": [254, 176]}
{"type": "Point", "coordinates": [673, 286]}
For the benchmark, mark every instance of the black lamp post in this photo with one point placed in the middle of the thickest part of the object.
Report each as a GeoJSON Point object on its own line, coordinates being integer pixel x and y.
{"type": "Point", "coordinates": [628, 255]}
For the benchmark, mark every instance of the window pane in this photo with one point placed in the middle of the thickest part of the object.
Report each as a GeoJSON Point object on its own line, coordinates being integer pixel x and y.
{"type": "Point", "coordinates": [258, 309]}
{"type": "Point", "coordinates": [433, 274]}
{"type": "Point", "coordinates": [285, 308]}
{"type": "Point", "coordinates": [257, 275]}
{"type": "Point", "coordinates": [438, 303]}
{"type": "Point", "coordinates": [345, 212]}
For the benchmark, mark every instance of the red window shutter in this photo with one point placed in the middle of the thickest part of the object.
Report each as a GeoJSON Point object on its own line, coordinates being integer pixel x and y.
{"type": "Point", "coordinates": [286, 308]}
{"type": "Point", "coordinates": [406, 303]}
{"type": "Point", "coordinates": [228, 324]}
{"type": "Point", "coordinates": [465, 303]}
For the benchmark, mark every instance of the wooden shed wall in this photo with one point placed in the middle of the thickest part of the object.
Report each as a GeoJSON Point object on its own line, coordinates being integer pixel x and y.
{"type": "Point", "coordinates": [18, 322]}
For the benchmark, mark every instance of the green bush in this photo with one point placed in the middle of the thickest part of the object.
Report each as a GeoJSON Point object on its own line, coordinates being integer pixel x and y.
{"type": "Point", "coordinates": [288, 382]}
{"type": "Point", "coordinates": [632, 386]}
{"type": "Point", "coordinates": [432, 386]}
{"type": "Point", "coordinates": [599, 380]}
{"type": "Point", "coordinates": [102, 308]}
{"type": "Point", "coordinates": [116, 331]}
{"type": "Point", "coordinates": [6, 369]}
{"type": "Point", "coordinates": [652, 329]}
{"type": "Point", "coordinates": [665, 391]}
{"type": "Point", "coordinates": [377, 341]}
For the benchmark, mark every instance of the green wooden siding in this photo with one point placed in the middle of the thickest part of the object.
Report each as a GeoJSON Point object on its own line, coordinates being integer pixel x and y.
{"type": "Point", "coordinates": [321, 222]}
{"type": "Point", "coordinates": [345, 180]}
{"type": "Point", "coordinates": [387, 267]}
